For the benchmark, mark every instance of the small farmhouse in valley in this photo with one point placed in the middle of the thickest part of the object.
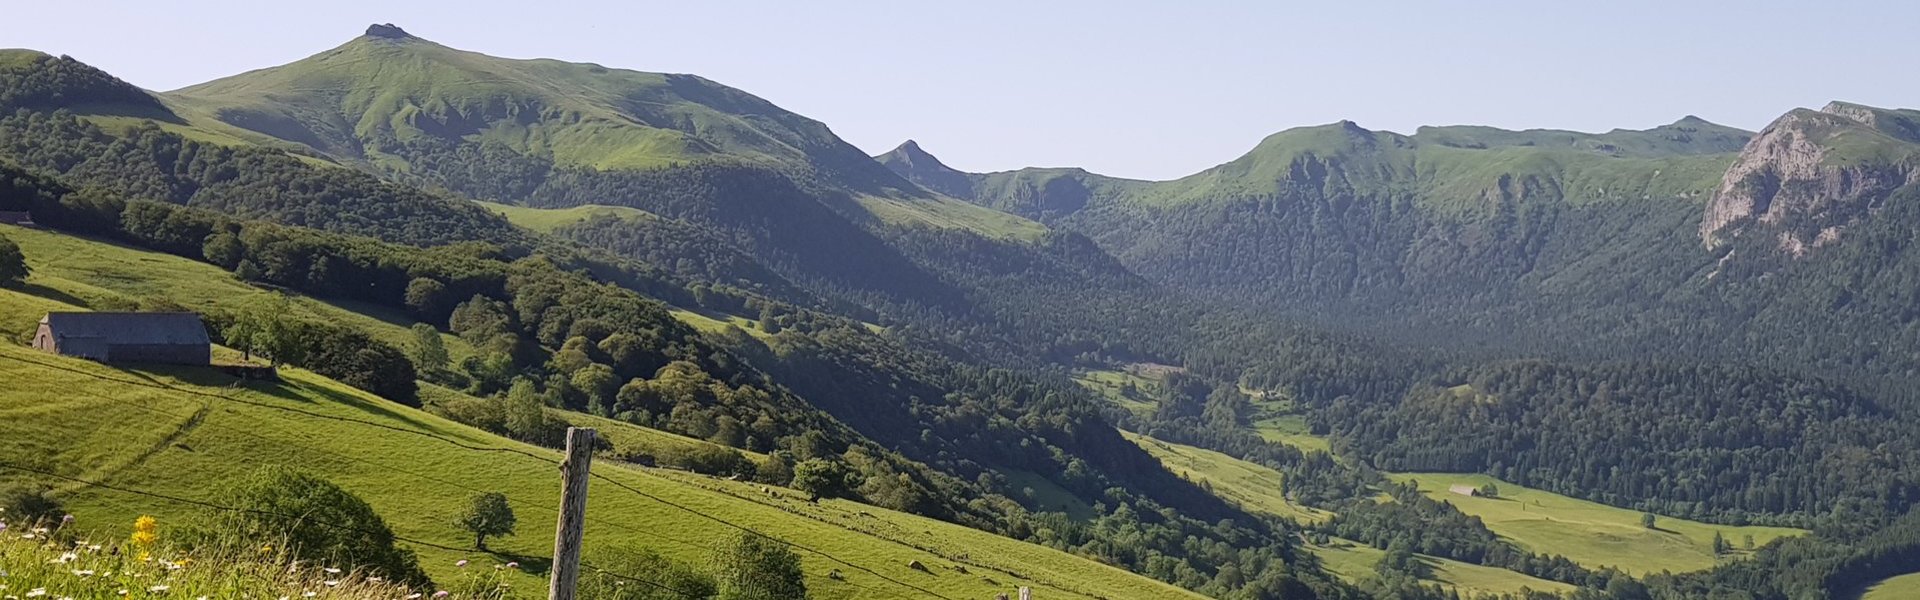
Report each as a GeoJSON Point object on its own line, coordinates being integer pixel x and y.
{"type": "Point", "coordinates": [11, 217]}
{"type": "Point", "coordinates": [1464, 490]}
{"type": "Point", "coordinates": [137, 337]}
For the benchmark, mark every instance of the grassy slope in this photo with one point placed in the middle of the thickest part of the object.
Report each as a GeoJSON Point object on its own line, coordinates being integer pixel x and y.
{"type": "Point", "coordinates": [94, 421]}
{"type": "Point", "coordinates": [63, 415]}
{"type": "Point", "coordinates": [342, 101]}
{"type": "Point", "coordinates": [1355, 562]}
{"type": "Point", "coordinates": [1111, 384]}
{"type": "Point", "coordinates": [1590, 533]}
{"type": "Point", "coordinates": [1903, 587]}
{"type": "Point", "coordinates": [1291, 430]}
{"type": "Point", "coordinates": [545, 220]}
{"type": "Point", "coordinates": [100, 274]}
{"type": "Point", "coordinates": [1253, 487]}
{"type": "Point", "coordinates": [1259, 489]}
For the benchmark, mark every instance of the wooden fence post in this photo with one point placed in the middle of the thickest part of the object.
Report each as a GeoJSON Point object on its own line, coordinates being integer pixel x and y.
{"type": "Point", "coordinates": [573, 514]}
{"type": "Point", "coordinates": [1026, 593]}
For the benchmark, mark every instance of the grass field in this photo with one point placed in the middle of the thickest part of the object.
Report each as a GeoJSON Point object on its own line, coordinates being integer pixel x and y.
{"type": "Point", "coordinates": [545, 220]}
{"type": "Point", "coordinates": [1291, 430]}
{"type": "Point", "coordinates": [102, 275]}
{"type": "Point", "coordinates": [1904, 587]}
{"type": "Point", "coordinates": [1251, 486]}
{"type": "Point", "coordinates": [184, 431]}
{"type": "Point", "coordinates": [1047, 495]}
{"type": "Point", "coordinates": [1112, 384]}
{"type": "Point", "coordinates": [1590, 533]}
{"type": "Point", "coordinates": [1259, 489]}
{"type": "Point", "coordinates": [198, 428]}
{"type": "Point", "coordinates": [1354, 562]}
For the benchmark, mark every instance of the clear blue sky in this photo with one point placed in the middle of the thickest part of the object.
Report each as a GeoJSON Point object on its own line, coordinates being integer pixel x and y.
{"type": "Point", "coordinates": [1151, 90]}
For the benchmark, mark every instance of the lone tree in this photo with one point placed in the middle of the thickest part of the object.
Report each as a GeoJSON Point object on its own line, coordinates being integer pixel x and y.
{"type": "Point", "coordinates": [1720, 545]}
{"type": "Point", "coordinates": [13, 264]}
{"type": "Point", "coordinates": [1647, 520]}
{"type": "Point", "coordinates": [428, 352]}
{"type": "Point", "coordinates": [266, 328]}
{"type": "Point", "coordinates": [1490, 490]}
{"type": "Point", "coordinates": [487, 515]}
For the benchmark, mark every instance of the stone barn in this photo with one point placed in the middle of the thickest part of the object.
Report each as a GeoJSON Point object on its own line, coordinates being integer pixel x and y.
{"type": "Point", "coordinates": [131, 337]}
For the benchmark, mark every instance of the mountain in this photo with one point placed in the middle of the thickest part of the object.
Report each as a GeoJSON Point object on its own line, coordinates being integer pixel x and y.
{"type": "Point", "coordinates": [694, 259]}
{"type": "Point", "coordinates": [1437, 164]}
{"type": "Point", "coordinates": [365, 99]}
{"type": "Point", "coordinates": [1811, 174]}
{"type": "Point", "coordinates": [510, 130]}
{"type": "Point", "coordinates": [1034, 192]}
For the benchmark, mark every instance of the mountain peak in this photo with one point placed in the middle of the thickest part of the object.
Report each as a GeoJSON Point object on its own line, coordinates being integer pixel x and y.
{"type": "Point", "coordinates": [918, 166]}
{"type": "Point", "coordinates": [388, 31]}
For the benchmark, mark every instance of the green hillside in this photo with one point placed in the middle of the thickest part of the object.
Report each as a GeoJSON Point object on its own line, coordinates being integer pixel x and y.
{"type": "Point", "coordinates": [1896, 588]}
{"type": "Point", "coordinates": [545, 220]}
{"type": "Point", "coordinates": [1254, 487]}
{"type": "Point", "coordinates": [103, 275]}
{"type": "Point", "coordinates": [389, 87]}
{"type": "Point", "coordinates": [1590, 533]}
{"type": "Point", "coordinates": [1355, 562]}
{"type": "Point", "coordinates": [495, 128]}
{"type": "Point", "coordinates": [1260, 489]}
{"type": "Point", "coordinates": [178, 431]}
{"type": "Point", "coordinates": [196, 428]}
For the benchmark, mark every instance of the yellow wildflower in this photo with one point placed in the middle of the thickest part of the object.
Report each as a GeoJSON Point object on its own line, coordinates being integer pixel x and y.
{"type": "Point", "coordinates": [146, 531]}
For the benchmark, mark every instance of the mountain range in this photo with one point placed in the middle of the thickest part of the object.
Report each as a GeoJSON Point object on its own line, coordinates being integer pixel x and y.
{"type": "Point", "coordinates": [926, 325]}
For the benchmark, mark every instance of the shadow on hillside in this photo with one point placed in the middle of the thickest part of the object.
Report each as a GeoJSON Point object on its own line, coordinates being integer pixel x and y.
{"type": "Point", "coordinates": [41, 291]}
{"type": "Point", "coordinates": [354, 401]}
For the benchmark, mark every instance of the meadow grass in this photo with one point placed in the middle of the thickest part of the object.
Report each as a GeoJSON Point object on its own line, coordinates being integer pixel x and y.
{"type": "Point", "coordinates": [1251, 486]}
{"type": "Point", "coordinates": [184, 432]}
{"type": "Point", "coordinates": [1112, 385]}
{"type": "Point", "coordinates": [545, 220]}
{"type": "Point", "coordinates": [1904, 587]}
{"type": "Point", "coordinates": [1260, 489]}
{"type": "Point", "coordinates": [54, 565]}
{"type": "Point", "coordinates": [98, 423]}
{"type": "Point", "coordinates": [103, 275]}
{"type": "Point", "coordinates": [1046, 495]}
{"type": "Point", "coordinates": [1590, 533]}
{"type": "Point", "coordinates": [717, 322]}
{"type": "Point", "coordinates": [1291, 430]}
{"type": "Point", "coordinates": [1355, 562]}
{"type": "Point", "coordinates": [947, 213]}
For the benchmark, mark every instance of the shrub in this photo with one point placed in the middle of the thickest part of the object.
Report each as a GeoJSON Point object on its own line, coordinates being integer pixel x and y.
{"type": "Point", "coordinates": [313, 520]}
{"type": "Point", "coordinates": [754, 567]}
{"type": "Point", "coordinates": [28, 504]}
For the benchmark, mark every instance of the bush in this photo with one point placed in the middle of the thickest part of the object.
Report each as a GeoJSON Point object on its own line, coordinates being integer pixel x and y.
{"type": "Point", "coordinates": [682, 581]}
{"type": "Point", "coordinates": [821, 478]}
{"type": "Point", "coordinates": [718, 461]}
{"type": "Point", "coordinates": [13, 264]}
{"type": "Point", "coordinates": [312, 520]}
{"type": "Point", "coordinates": [754, 567]}
{"type": "Point", "coordinates": [29, 504]}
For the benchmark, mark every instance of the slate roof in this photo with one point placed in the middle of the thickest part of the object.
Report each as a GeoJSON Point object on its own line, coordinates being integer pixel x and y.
{"type": "Point", "coordinates": [130, 328]}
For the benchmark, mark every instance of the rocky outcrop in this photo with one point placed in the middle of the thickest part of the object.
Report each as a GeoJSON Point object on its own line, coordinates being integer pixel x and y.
{"type": "Point", "coordinates": [388, 31]}
{"type": "Point", "coordinates": [917, 166]}
{"type": "Point", "coordinates": [1811, 174]}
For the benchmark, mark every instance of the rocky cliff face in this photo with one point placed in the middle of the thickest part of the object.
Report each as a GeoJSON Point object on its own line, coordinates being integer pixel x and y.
{"type": "Point", "coordinates": [1810, 174]}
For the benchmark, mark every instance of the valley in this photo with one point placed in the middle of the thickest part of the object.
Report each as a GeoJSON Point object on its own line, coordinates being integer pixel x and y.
{"type": "Point", "coordinates": [1462, 362]}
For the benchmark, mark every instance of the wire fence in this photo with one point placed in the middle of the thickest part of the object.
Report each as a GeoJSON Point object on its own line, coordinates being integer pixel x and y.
{"type": "Point", "coordinates": [155, 384]}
